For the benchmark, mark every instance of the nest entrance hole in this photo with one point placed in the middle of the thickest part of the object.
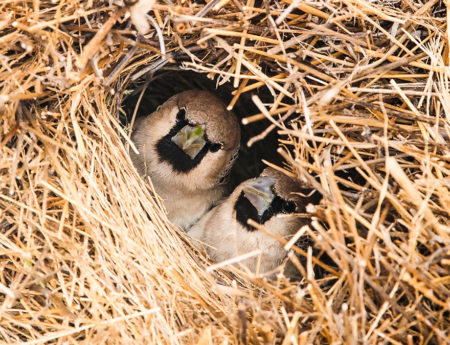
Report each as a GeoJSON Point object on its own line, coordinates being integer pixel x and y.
{"type": "Point", "coordinates": [169, 82]}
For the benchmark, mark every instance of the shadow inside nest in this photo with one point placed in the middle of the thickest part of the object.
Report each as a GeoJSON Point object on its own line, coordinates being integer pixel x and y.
{"type": "Point", "coordinates": [170, 81]}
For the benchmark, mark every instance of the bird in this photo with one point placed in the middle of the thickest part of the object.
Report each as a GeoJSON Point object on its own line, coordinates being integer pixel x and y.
{"type": "Point", "coordinates": [273, 200]}
{"type": "Point", "coordinates": [187, 147]}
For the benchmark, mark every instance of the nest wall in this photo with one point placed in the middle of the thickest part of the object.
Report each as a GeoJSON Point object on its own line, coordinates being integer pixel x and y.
{"type": "Point", "coordinates": [356, 95]}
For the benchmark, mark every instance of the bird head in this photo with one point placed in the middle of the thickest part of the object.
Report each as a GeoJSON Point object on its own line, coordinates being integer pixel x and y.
{"type": "Point", "coordinates": [273, 200]}
{"type": "Point", "coordinates": [192, 139]}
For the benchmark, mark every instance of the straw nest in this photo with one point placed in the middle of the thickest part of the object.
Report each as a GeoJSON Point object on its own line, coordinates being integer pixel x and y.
{"type": "Point", "coordinates": [357, 95]}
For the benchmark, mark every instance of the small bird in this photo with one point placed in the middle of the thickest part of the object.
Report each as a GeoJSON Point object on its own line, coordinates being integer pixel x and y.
{"type": "Point", "coordinates": [272, 200]}
{"type": "Point", "coordinates": [187, 148]}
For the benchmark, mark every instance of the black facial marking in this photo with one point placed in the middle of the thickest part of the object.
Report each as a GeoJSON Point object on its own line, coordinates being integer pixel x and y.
{"type": "Point", "coordinates": [215, 147]}
{"type": "Point", "coordinates": [245, 210]}
{"type": "Point", "coordinates": [181, 115]}
{"type": "Point", "coordinates": [169, 152]}
{"type": "Point", "coordinates": [288, 207]}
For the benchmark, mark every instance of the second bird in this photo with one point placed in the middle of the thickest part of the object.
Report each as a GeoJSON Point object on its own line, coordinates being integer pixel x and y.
{"type": "Point", "coordinates": [187, 147]}
{"type": "Point", "coordinates": [273, 200]}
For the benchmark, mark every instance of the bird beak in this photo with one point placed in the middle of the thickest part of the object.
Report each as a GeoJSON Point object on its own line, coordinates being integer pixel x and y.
{"type": "Point", "coordinates": [190, 139]}
{"type": "Point", "coordinates": [259, 193]}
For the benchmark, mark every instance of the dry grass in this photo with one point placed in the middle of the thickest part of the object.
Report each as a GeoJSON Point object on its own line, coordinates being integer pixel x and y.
{"type": "Point", "coordinates": [361, 104]}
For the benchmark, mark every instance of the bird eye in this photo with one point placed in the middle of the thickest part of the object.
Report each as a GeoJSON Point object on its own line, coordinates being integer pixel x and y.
{"type": "Point", "coordinates": [181, 116]}
{"type": "Point", "coordinates": [288, 207]}
{"type": "Point", "coordinates": [215, 147]}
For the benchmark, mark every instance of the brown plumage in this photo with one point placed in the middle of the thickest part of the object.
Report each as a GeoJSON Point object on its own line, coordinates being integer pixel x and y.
{"type": "Point", "coordinates": [187, 147]}
{"type": "Point", "coordinates": [273, 200]}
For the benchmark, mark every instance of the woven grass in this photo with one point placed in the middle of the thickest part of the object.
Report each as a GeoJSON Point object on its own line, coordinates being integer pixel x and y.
{"type": "Point", "coordinates": [357, 93]}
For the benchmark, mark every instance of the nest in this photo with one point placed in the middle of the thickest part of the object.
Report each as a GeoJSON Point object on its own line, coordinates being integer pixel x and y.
{"type": "Point", "coordinates": [352, 96]}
